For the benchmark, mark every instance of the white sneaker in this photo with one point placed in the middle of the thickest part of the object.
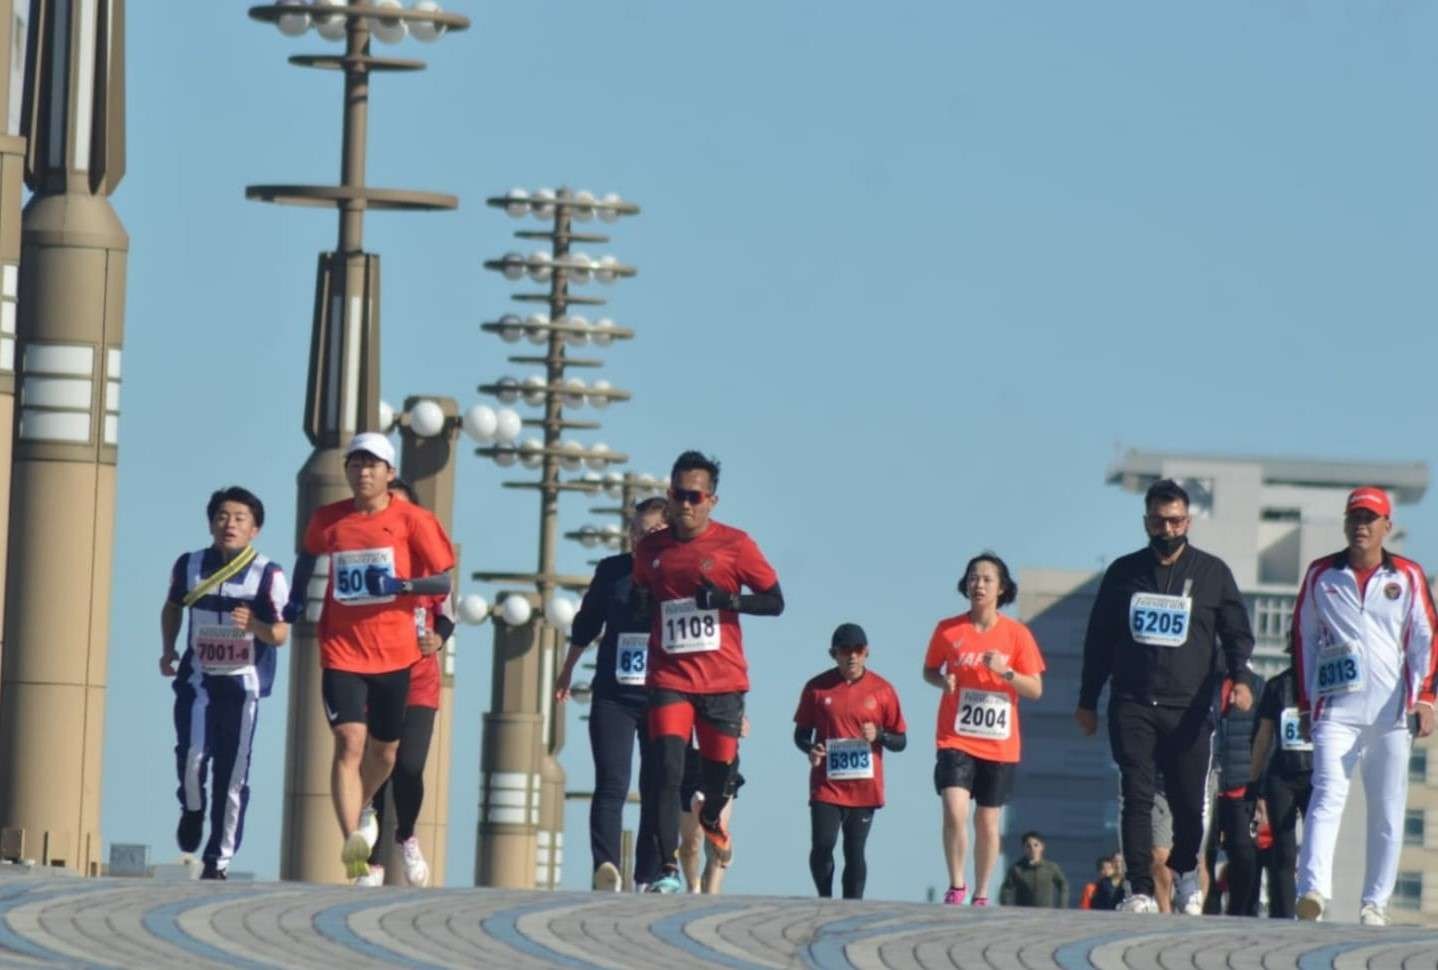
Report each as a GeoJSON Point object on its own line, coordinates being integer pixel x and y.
{"type": "Point", "coordinates": [1190, 897]}
{"type": "Point", "coordinates": [1310, 906]}
{"type": "Point", "coordinates": [369, 826]}
{"type": "Point", "coordinates": [416, 870]}
{"type": "Point", "coordinates": [355, 855]}
{"type": "Point", "coordinates": [375, 877]}
{"type": "Point", "coordinates": [1138, 903]}
{"type": "Point", "coordinates": [607, 878]}
{"type": "Point", "coordinates": [1373, 915]}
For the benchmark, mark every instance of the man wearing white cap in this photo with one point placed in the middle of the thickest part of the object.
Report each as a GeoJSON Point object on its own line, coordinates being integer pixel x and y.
{"type": "Point", "coordinates": [385, 559]}
{"type": "Point", "coordinates": [1364, 661]}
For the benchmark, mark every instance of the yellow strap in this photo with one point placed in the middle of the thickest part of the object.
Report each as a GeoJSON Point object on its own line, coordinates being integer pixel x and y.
{"type": "Point", "coordinates": [226, 572]}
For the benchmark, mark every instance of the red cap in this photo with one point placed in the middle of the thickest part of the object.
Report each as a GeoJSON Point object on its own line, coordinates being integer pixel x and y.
{"type": "Point", "coordinates": [1373, 499]}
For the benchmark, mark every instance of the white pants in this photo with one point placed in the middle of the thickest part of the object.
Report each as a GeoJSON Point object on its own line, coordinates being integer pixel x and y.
{"type": "Point", "coordinates": [1382, 753]}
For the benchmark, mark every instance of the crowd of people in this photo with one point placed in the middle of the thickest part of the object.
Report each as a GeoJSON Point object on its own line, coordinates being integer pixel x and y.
{"type": "Point", "coordinates": [1190, 725]}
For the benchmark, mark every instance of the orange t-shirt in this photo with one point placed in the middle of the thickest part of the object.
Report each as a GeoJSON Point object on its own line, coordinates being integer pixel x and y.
{"type": "Point", "coordinates": [982, 716]}
{"type": "Point", "coordinates": [358, 632]}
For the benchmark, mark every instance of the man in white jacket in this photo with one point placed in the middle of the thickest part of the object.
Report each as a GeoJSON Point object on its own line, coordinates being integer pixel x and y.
{"type": "Point", "coordinates": [1364, 657]}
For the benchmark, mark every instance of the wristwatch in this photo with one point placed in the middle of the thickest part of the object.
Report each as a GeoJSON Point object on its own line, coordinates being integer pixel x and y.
{"type": "Point", "coordinates": [1009, 674]}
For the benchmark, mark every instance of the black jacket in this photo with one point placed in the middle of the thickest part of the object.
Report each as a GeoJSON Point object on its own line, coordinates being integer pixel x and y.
{"type": "Point", "coordinates": [1174, 676]}
{"type": "Point", "coordinates": [606, 607]}
{"type": "Point", "coordinates": [1278, 694]}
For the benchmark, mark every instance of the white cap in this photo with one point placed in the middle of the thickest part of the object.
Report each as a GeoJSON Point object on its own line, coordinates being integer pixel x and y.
{"type": "Point", "coordinates": [372, 443]}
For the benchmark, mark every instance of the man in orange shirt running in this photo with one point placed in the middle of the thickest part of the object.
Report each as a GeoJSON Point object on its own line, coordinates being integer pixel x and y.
{"type": "Point", "coordinates": [386, 557]}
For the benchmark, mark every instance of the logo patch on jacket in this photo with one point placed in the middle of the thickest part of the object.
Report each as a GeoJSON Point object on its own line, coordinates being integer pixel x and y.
{"type": "Point", "coordinates": [1392, 591]}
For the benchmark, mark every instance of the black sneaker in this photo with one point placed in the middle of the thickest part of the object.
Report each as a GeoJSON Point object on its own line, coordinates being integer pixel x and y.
{"type": "Point", "coordinates": [211, 871]}
{"type": "Point", "coordinates": [190, 831]}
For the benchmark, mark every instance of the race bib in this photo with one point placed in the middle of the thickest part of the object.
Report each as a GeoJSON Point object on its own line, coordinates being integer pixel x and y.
{"type": "Point", "coordinates": [1290, 737]}
{"type": "Point", "coordinates": [848, 759]}
{"type": "Point", "coordinates": [349, 569]}
{"type": "Point", "coordinates": [685, 628]}
{"type": "Point", "coordinates": [1159, 620]}
{"type": "Point", "coordinates": [223, 649]}
{"type": "Point", "coordinates": [983, 714]}
{"type": "Point", "coordinates": [630, 658]}
{"type": "Point", "coordinates": [1340, 670]}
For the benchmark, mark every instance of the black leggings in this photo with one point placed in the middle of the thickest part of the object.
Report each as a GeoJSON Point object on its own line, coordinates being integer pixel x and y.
{"type": "Point", "coordinates": [407, 779]}
{"type": "Point", "coordinates": [1287, 802]}
{"type": "Point", "coordinates": [1234, 819]}
{"type": "Point", "coordinates": [825, 823]}
{"type": "Point", "coordinates": [614, 728]}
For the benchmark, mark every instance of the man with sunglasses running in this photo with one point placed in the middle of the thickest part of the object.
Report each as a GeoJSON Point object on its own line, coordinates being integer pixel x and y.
{"type": "Point", "coordinates": [1155, 629]}
{"type": "Point", "coordinates": [690, 579]}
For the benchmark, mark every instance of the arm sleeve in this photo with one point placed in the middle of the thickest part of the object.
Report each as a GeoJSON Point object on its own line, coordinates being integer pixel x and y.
{"type": "Point", "coordinates": [176, 596]}
{"type": "Point", "coordinates": [1099, 644]}
{"type": "Point", "coordinates": [1305, 638]}
{"type": "Point", "coordinates": [895, 741]}
{"type": "Point", "coordinates": [769, 602]}
{"type": "Point", "coordinates": [443, 610]}
{"type": "Point", "coordinates": [1421, 624]}
{"type": "Point", "coordinates": [304, 572]}
{"type": "Point", "coordinates": [1233, 627]}
{"type": "Point", "coordinates": [589, 620]}
{"type": "Point", "coordinates": [803, 737]}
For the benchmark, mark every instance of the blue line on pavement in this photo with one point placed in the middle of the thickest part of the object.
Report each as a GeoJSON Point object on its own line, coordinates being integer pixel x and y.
{"type": "Point", "coordinates": [163, 922]}
{"type": "Point", "coordinates": [21, 896]}
{"type": "Point", "coordinates": [1078, 955]}
{"type": "Point", "coordinates": [1324, 957]}
{"type": "Point", "coordinates": [503, 925]}
{"type": "Point", "coordinates": [670, 930]}
{"type": "Point", "coordinates": [333, 923]}
{"type": "Point", "coordinates": [826, 950]}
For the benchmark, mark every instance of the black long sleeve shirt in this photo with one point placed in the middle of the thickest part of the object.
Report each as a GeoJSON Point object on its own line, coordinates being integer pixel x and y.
{"type": "Point", "coordinates": [1212, 639]}
{"type": "Point", "coordinates": [606, 608]}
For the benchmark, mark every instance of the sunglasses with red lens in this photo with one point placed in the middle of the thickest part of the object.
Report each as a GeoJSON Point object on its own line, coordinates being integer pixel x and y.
{"type": "Point", "coordinates": [688, 496]}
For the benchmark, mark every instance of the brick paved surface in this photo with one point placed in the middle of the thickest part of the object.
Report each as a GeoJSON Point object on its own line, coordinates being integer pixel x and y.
{"type": "Point", "coordinates": [54, 920]}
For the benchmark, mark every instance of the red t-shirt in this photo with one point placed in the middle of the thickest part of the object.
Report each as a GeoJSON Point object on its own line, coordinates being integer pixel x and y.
{"type": "Point", "coordinates": [358, 632]}
{"type": "Point", "coordinates": [986, 723]}
{"type": "Point", "coordinates": [837, 710]}
{"type": "Point", "coordinates": [424, 672]}
{"type": "Point", "coordinates": [691, 650]}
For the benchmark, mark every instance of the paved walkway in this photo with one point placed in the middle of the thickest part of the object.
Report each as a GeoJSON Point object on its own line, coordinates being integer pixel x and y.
{"type": "Point", "coordinates": [49, 920]}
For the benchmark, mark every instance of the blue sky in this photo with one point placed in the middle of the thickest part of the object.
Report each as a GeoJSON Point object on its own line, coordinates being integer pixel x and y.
{"type": "Point", "coordinates": [913, 273]}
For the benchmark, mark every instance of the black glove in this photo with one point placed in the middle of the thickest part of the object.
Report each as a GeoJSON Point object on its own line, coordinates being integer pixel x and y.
{"type": "Point", "coordinates": [1251, 793]}
{"type": "Point", "coordinates": [710, 597]}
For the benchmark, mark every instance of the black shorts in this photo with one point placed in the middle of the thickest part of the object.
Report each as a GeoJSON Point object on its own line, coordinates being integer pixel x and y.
{"type": "Point", "coordinates": [375, 700]}
{"type": "Point", "coordinates": [693, 779]}
{"type": "Point", "coordinates": [989, 782]}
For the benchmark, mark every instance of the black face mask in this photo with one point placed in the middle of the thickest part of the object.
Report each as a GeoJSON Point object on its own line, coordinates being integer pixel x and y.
{"type": "Point", "coordinates": [1166, 546]}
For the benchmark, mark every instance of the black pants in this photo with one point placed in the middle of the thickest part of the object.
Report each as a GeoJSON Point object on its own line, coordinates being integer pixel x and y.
{"type": "Point", "coordinates": [1287, 801]}
{"type": "Point", "coordinates": [614, 726]}
{"type": "Point", "coordinates": [1235, 818]}
{"type": "Point", "coordinates": [825, 823]}
{"type": "Point", "coordinates": [1178, 741]}
{"type": "Point", "coordinates": [407, 779]}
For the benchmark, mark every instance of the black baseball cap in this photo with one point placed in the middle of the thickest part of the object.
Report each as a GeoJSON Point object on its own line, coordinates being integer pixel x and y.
{"type": "Point", "coordinates": [848, 636]}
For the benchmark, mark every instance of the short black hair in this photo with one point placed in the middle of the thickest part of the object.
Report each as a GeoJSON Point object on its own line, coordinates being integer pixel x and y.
{"type": "Point", "coordinates": [236, 494]}
{"type": "Point", "coordinates": [1031, 834]}
{"type": "Point", "coordinates": [1008, 589]}
{"type": "Point", "coordinates": [651, 504]}
{"type": "Point", "coordinates": [1104, 860]}
{"type": "Point", "coordinates": [405, 489]}
{"type": "Point", "coordinates": [696, 461]}
{"type": "Point", "coordinates": [1162, 492]}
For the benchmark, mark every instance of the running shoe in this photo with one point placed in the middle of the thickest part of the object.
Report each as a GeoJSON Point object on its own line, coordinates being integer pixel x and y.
{"type": "Point", "coordinates": [955, 895]}
{"type": "Point", "coordinates": [668, 882]}
{"type": "Point", "coordinates": [1310, 906]}
{"type": "Point", "coordinates": [375, 877]}
{"type": "Point", "coordinates": [1373, 915]}
{"type": "Point", "coordinates": [191, 829]}
{"type": "Point", "coordinates": [718, 846]}
{"type": "Point", "coordinates": [1138, 903]}
{"type": "Point", "coordinates": [607, 878]}
{"type": "Point", "coordinates": [355, 855]}
{"type": "Point", "coordinates": [369, 825]}
{"type": "Point", "coordinates": [1190, 897]}
{"type": "Point", "coordinates": [416, 870]}
{"type": "Point", "coordinates": [980, 901]}
{"type": "Point", "coordinates": [212, 871]}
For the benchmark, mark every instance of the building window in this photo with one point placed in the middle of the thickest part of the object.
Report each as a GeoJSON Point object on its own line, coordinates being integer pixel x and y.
{"type": "Point", "coordinates": [1408, 892]}
{"type": "Point", "coordinates": [1418, 766]}
{"type": "Point", "coordinates": [1413, 827]}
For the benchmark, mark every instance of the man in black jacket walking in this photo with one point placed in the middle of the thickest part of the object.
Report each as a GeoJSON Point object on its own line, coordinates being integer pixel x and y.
{"type": "Point", "coordinates": [1155, 631]}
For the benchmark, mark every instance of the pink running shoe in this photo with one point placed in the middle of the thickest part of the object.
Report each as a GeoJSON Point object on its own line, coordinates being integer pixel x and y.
{"type": "Point", "coordinates": [955, 896]}
{"type": "Point", "coordinates": [980, 901]}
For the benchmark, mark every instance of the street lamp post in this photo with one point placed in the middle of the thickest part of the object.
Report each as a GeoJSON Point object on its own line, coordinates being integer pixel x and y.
{"type": "Point", "coordinates": [342, 397]}
{"type": "Point", "coordinates": [63, 344]}
{"type": "Point", "coordinates": [520, 838]}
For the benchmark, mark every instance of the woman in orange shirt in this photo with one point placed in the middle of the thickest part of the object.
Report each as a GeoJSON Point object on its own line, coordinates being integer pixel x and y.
{"type": "Point", "coordinates": [984, 662]}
